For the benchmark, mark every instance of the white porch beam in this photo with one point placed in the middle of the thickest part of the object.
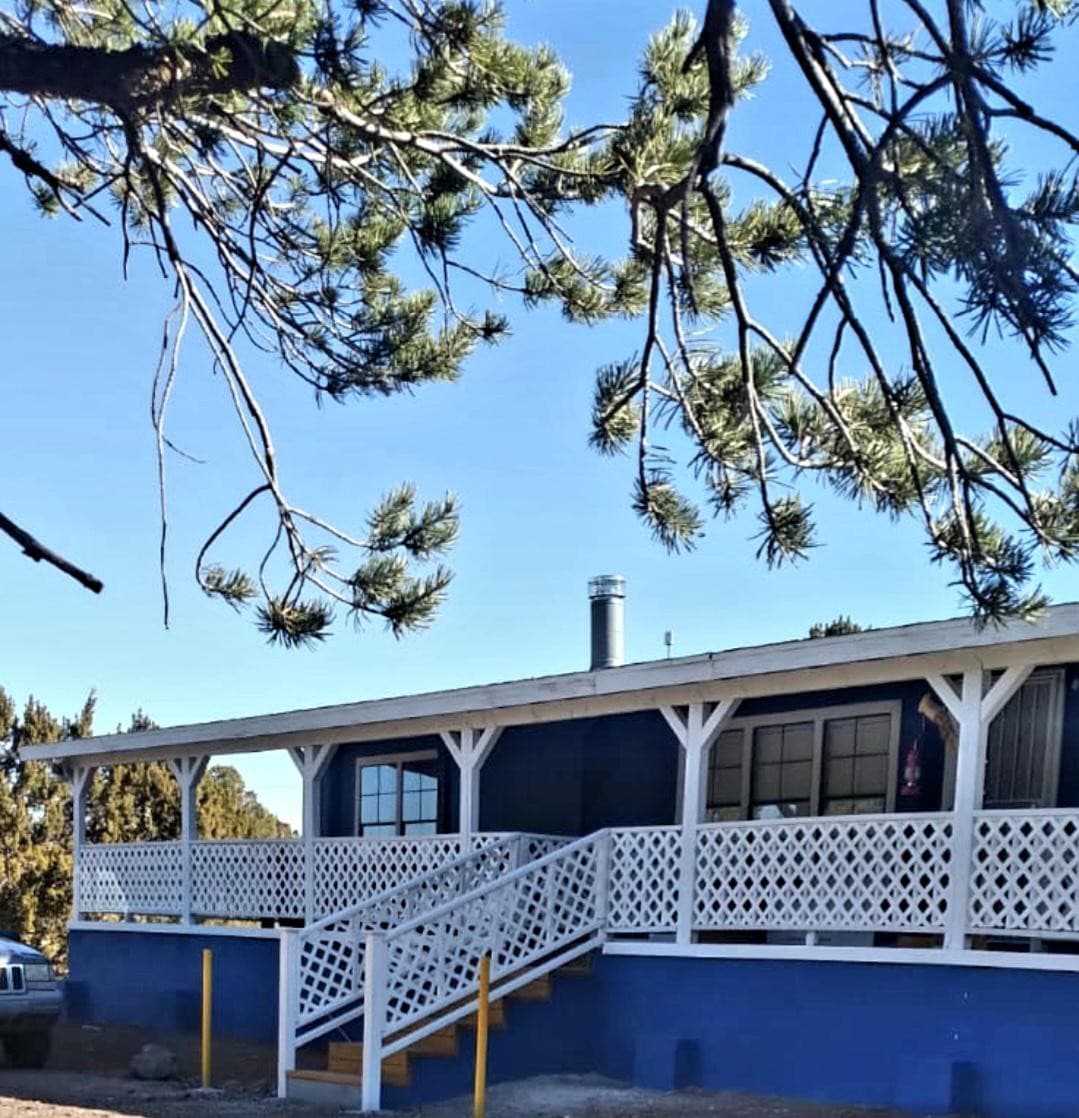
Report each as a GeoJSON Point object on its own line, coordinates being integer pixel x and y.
{"type": "Point", "coordinates": [696, 733]}
{"type": "Point", "coordinates": [188, 772]}
{"type": "Point", "coordinates": [974, 709]}
{"type": "Point", "coordinates": [470, 747]}
{"type": "Point", "coordinates": [311, 761]}
{"type": "Point", "coordinates": [79, 777]}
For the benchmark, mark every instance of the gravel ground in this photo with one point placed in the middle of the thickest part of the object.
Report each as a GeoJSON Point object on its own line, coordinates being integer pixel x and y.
{"type": "Point", "coordinates": [87, 1078]}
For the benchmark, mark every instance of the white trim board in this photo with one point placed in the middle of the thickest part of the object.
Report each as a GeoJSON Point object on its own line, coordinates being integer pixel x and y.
{"type": "Point", "coordinates": [173, 929]}
{"type": "Point", "coordinates": [874, 656]}
{"type": "Point", "coordinates": [923, 956]}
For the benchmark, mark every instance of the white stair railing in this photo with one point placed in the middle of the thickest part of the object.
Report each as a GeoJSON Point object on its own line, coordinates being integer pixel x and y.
{"type": "Point", "coordinates": [421, 975]}
{"type": "Point", "coordinates": [322, 965]}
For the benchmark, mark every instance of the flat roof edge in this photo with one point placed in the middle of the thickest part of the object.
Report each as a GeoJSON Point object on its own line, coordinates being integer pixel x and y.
{"type": "Point", "coordinates": [925, 639]}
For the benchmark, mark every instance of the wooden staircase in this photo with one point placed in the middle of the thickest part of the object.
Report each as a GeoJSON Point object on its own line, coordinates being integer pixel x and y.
{"type": "Point", "coordinates": [338, 1082]}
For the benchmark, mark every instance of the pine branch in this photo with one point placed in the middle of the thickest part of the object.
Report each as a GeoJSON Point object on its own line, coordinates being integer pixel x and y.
{"type": "Point", "coordinates": [38, 552]}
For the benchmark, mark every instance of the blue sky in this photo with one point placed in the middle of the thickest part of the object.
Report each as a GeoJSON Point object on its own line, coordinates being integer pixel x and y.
{"type": "Point", "coordinates": [541, 513]}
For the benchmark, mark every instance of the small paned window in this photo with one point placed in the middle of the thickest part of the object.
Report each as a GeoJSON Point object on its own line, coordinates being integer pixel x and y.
{"type": "Point", "coordinates": [399, 797]}
{"type": "Point", "coordinates": [725, 777]}
{"type": "Point", "coordinates": [856, 760]}
{"type": "Point", "coordinates": [782, 784]}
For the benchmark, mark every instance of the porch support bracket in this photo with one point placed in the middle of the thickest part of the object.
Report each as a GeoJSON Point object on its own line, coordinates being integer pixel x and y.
{"type": "Point", "coordinates": [470, 747]}
{"type": "Point", "coordinates": [696, 727]}
{"type": "Point", "coordinates": [188, 772]}
{"type": "Point", "coordinates": [311, 762]}
{"type": "Point", "coordinates": [973, 708]}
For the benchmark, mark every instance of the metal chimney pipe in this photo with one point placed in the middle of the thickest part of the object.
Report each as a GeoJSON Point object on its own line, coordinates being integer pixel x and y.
{"type": "Point", "coordinates": [608, 594]}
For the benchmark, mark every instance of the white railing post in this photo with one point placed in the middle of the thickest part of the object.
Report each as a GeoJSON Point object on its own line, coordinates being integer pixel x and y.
{"type": "Point", "coordinates": [188, 772]}
{"type": "Point", "coordinates": [603, 879]}
{"type": "Point", "coordinates": [974, 712]}
{"type": "Point", "coordinates": [695, 734]}
{"type": "Point", "coordinates": [469, 749]}
{"type": "Point", "coordinates": [288, 1004]}
{"type": "Point", "coordinates": [375, 958]}
{"type": "Point", "coordinates": [311, 761]}
{"type": "Point", "coordinates": [79, 777]}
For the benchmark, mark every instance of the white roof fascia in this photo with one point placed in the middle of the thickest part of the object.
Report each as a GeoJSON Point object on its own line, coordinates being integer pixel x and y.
{"type": "Point", "coordinates": [874, 656]}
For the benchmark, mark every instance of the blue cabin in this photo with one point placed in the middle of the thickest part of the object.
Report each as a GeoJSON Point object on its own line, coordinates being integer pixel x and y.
{"type": "Point", "coordinates": [843, 869]}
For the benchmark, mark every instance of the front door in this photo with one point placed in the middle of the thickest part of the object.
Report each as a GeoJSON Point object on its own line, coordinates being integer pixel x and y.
{"type": "Point", "coordinates": [1022, 763]}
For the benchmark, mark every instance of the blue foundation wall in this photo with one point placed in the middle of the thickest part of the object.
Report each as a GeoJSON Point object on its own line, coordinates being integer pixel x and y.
{"type": "Point", "coordinates": [154, 980]}
{"type": "Point", "coordinates": [931, 1039]}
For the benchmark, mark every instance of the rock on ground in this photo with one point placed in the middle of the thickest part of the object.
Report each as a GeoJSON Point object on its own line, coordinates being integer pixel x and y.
{"type": "Point", "coordinates": [154, 1061]}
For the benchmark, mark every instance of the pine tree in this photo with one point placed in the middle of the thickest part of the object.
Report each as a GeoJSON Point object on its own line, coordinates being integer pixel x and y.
{"type": "Point", "coordinates": [292, 183]}
{"type": "Point", "coordinates": [840, 627]}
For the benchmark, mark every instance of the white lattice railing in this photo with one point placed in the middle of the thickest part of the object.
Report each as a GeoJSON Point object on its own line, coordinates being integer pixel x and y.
{"type": "Point", "coordinates": [254, 879]}
{"type": "Point", "coordinates": [131, 878]}
{"type": "Point", "coordinates": [887, 873]}
{"type": "Point", "coordinates": [421, 975]}
{"type": "Point", "coordinates": [248, 879]}
{"type": "Point", "coordinates": [1025, 873]}
{"type": "Point", "coordinates": [330, 952]}
{"type": "Point", "coordinates": [322, 966]}
{"type": "Point", "coordinates": [643, 888]}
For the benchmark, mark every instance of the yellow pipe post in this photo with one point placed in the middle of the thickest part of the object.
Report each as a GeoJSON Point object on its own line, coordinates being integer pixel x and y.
{"type": "Point", "coordinates": [207, 1011]}
{"type": "Point", "coordinates": [479, 1099]}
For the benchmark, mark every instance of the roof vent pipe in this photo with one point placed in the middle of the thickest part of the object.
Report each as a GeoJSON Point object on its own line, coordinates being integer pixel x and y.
{"type": "Point", "coordinates": [608, 594]}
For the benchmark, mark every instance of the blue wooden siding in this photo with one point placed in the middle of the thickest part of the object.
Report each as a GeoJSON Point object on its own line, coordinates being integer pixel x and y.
{"type": "Point", "coordinates": [576, 776]}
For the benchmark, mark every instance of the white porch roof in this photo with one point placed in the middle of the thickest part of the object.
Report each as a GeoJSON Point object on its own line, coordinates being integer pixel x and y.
{"type": "Point", "coordinates": [876, 656]}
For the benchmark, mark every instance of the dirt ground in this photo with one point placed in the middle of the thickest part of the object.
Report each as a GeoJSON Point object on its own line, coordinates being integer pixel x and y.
{"type": "Point", "coordinates": [87, 1078]}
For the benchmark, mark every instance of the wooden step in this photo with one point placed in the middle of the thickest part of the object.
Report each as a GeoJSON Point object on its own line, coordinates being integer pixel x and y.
{"type": "Point", "coordinates": [538, 990]}
{"type": "Point", "coordinates": [496, 1018]}
{"type": "Point", "coordinates": [578, 968]}
{"type": "Point", "coordinates": [346, 1058]}
{"type": "Point", "coordinates": [440, 1043]}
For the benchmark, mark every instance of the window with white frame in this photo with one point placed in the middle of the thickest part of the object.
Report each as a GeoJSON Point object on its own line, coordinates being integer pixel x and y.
{"type": "Point", "coordinates": [397, 795]}
{"type": "Point", "coordinates": [831, 761]}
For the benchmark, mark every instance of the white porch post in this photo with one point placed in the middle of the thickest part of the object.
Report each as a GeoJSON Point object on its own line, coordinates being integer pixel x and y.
{"type": "Point", "coordinates": [311, 760]}
{"type": "Point", "coordinates": [288, 1004]}
{"type": "Point", "coordinates": [695, 734]}
{"type": "Point", "coordinates": [374, 1019]}
{"type": "Point", "coordinates": [188, 772]}
{"type": "Point", "coordinates": [973, 710]}
{"type": "Point", "coordinates": [79, 776]}
{"type": "Point", "coordinates": [469, 749]}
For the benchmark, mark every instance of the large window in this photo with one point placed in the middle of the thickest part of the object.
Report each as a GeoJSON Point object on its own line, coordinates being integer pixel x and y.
{"type": "Point", "coordinates": [398, 795]}
{"type": "Point", "coordinates": [832, 761]}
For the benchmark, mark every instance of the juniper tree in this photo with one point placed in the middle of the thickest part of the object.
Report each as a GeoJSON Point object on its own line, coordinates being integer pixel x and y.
{"type": "Point", "coordinates": [348, 167]}
{"type": "Point", "coordinates": [135, 802]}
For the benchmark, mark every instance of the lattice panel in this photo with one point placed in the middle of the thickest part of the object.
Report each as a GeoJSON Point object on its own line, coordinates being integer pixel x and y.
{"type": "Point", "coordinates": [874, 873]}
{"type": "Point", "coordinates": [248, 878]}
{"type": "Point", "coordinates": [141, 878]}
{"type": "Point", "coordinates": [331, 952]}
{"type": "Point", "coordinates": [1025, 872]}
{"type": "Point", "coordinates": [535, 912]}
{"type": "Point", "coordinates": [644, 879]}
{"type": "Point", "coordinates": [350, 871]}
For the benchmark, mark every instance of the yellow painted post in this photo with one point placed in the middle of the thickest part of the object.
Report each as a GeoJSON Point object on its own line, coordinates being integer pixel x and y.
{"type": "Point", "coordinates": [207, 1011]}
{"type": "Point", "coordinates": [479, 1099]}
